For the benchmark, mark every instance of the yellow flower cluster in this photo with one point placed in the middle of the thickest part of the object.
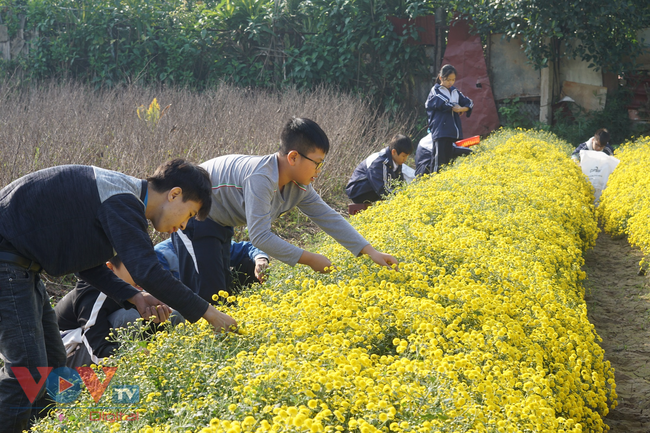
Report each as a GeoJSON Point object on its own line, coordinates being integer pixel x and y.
{"type": "Point", "coordinates": [625, 204]}
{"type": "Point", "coordinates": [482, 329]}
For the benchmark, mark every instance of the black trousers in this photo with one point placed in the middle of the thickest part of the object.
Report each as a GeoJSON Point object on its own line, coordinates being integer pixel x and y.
{"type": "Point", "coordinates": [367, 197]}
{"type": "Point", "coordinates": [444, 151]}
{"type": "Point", "coordinates": [243, 274]}
{"type": "Point", "coordinates": [204, 257]}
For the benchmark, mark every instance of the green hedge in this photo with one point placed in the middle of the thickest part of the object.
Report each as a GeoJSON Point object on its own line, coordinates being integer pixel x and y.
{"type": "Point", "coordinates": [257, 43]}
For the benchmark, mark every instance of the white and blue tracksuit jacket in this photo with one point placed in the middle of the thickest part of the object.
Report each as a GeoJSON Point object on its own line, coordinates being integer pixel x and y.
{"type": "Point", "coordinates": [374, 174]}
{"type": "Point", "coordinates": [443, 122]}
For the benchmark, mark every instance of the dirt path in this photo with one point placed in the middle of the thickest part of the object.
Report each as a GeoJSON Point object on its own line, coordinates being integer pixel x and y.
{"type": "Point", "coordinates": [618, 302]}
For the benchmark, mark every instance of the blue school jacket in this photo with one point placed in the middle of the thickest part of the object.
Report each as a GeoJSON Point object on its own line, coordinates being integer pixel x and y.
{"type": "Point", "coordinates": [373, 174]}
{"type": "Point", "coordinates": [443, 122]}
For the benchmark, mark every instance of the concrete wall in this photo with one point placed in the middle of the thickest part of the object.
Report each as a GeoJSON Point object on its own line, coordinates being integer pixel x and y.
{"type": "Point", "coordinates": [18, 46]}
{"type": "Point", "coordinates": [513, 77]}
{"type": "Point", "coordinates": [510, 73]}
{"type": "Point", "coordinates": [578, 71]}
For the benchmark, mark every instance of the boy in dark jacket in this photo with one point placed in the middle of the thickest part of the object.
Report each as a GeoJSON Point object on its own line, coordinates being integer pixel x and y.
{"type": "Point", "coordinates": [86, 316]}
{"type": "Point", "coordinates": [371, 179]}
{"type": "Point", "coordinates": [247, 262]}
{"type": "Point", "coordinates": [72, 219]}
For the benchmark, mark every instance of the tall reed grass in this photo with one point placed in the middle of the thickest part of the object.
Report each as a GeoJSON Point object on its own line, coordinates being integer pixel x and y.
{"type": "Point", "coordinates": [66, 123]}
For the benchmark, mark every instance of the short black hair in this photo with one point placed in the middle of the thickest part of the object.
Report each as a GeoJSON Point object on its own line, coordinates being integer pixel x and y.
{"type": "Point", "coordinates": [304, 136]}
{"type": "Point", "coordinates": [402, 144]}
{"type": "Point", "coordinates": [603, 136]}
{"type": "Point", "coordinates": [192, 179]}
{"type": "Point", "coordinates": [116, 261]}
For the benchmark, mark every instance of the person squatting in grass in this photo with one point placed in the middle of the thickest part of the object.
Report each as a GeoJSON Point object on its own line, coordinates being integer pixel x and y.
{"type": "Point", "coordinates": [371, 179]}
{"type": "Point", "coordinates": [72, 219]}
{"type": "Point", "coordinates": [86, 317]}
{"type": "Point", "coordinates": [599, 142]}
{"type": "Point", "coordinates": [254, 191]}
{"type": "Point", "coordinates": [445, 104]}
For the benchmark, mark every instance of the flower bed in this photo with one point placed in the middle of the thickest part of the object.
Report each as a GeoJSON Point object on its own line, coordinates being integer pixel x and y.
{"type": "Point", "coordinates": [625, 205]}
{"type": "Point", "coordinates": [483, 329]}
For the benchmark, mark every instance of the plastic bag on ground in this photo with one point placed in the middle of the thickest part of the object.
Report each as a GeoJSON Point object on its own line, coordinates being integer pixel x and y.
{"type": "Point", "coordinates": [408, 173]}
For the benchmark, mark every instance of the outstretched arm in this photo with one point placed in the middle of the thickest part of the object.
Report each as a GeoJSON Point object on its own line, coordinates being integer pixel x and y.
{"type": "Point", "coordinates": [221, 322]}
{"type": "Point", "coordinates": [149, 306]}
{"type": "Point", "coordinates": [380, 258]}
{"type": "Point", "coordinates": [317, 262]}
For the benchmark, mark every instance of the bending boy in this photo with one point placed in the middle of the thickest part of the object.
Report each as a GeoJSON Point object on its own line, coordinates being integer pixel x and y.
{"type": "Point", "coordinates": [72, 219]}
{"type": "Point", "coordinates": [599, 142]}
{"type": "Point", "coordinates": [254, 191]}
{"type": "Point", "coordinates": [371, 179]}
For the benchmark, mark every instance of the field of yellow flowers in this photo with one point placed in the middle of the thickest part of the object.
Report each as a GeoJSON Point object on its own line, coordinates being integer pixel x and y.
{"type": "Point", "coordinates": [625, 204]}
{"type": "Point", "coordinates": [482, 329]}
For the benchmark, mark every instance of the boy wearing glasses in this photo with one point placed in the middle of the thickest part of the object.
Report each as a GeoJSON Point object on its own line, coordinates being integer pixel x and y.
{"type": "Point", "coordinates": [254, 191]}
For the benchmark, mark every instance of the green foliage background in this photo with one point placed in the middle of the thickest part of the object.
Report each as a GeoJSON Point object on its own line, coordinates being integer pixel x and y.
{"type": "Point", "coordinates": [602, 32]}
{"type": "Point", "coordinates": [256, 43]}
{"type": "Point", "coordinates": [299, 43]}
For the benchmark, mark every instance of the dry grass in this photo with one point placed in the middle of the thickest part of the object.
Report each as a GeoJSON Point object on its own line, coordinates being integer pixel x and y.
{"type": "Point", "coordinates": [70, 124]}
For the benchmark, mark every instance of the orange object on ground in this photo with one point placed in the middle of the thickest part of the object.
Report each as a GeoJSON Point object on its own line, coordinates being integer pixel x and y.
{"type": "Point", "coordinates": [357, 207]}
{"type": "Point", "coordinates": [467, 142]}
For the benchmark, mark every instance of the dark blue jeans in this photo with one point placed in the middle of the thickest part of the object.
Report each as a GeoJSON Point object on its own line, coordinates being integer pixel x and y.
{"type": "Point", "coordinates": [29, 337]}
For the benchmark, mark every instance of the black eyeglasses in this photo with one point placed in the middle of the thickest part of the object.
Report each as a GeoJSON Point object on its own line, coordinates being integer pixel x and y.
{"type": "Point", "coordinates": [319, 165]}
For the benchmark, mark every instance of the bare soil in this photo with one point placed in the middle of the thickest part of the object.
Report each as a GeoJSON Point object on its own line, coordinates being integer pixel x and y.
{"type": "Point", "coordinates": [618, 303]}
